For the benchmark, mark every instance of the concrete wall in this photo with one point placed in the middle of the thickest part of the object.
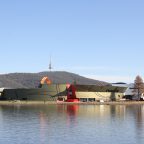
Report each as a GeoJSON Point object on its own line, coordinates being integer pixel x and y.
{"type": "Point", "coordinates": [106, 96]}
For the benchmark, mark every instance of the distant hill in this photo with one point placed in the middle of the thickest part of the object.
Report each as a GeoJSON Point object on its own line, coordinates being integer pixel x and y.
{"type": "Point", "coordinates": [31, 80]}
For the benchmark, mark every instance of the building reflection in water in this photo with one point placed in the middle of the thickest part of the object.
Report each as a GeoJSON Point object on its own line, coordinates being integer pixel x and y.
{"type": "Point", "coordinates": [43, 126]}
{"type": "Point", "coordinates": [65, 114]}
{"type": "Point", "coordinates": [71, 112]}
{"type": "Point", "coordinates": [70, 116]}
{"type": "Point", "coordinates": [139, 117]}
{"type": "Point", "coordinates": [118, 111]}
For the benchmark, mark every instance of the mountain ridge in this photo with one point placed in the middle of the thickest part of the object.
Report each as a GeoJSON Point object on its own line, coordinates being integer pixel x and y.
{"type": "Point", "coordinates": [31, 80]}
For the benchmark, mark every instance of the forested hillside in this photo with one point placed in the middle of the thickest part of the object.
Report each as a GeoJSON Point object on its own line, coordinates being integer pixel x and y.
{"type": "Point", "coordinates": [31, 80]}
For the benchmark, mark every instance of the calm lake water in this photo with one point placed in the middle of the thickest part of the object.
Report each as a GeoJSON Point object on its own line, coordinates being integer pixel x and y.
{"type": "Point", "coordinates": [72, 124]}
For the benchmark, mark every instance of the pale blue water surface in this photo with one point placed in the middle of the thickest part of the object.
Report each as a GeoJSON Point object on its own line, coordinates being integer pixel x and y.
{"type": "Point", "coordinates": [72, 124]}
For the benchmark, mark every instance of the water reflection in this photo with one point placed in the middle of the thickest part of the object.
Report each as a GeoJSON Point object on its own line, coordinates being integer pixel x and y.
{"type": "Point", "coordinates": [138, 114]}
{"type": "Point", "coordinates": [78, 124]}
{"type": "Point", "coordinates": [140, 124]}
{"type": "Point", "coordinates": [43, 125]}
{"type": "Point", "coordinates": [71, 111]}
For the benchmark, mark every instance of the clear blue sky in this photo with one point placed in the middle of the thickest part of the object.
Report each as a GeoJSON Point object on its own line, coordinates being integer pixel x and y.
{"type": "Point", "coordinates": [102, 39]}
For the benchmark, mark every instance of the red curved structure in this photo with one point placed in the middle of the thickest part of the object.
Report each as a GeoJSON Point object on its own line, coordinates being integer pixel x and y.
{"type": "Point", "coordinates": [71, 94]}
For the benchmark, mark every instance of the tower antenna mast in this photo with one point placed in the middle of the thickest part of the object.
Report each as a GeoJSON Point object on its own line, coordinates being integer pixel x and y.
{"type": "Point", "coordinates": [50, 65]}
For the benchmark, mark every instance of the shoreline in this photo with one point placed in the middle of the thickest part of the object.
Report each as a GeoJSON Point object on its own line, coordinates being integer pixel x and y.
{"type": "Point", "coordinates": [17, 102]}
